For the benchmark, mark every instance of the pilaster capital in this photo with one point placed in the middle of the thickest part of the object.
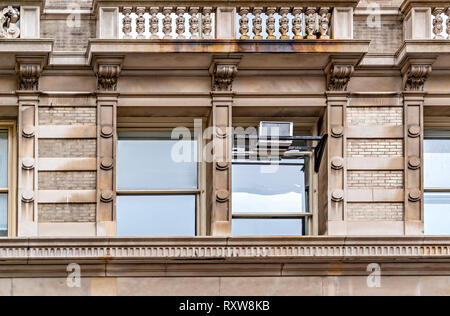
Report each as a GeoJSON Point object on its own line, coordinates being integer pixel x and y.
{"type": "Point", "coordinates": [28, 71]}
{"type": "Point", "coordinates": [107, 70]}
{"type": "Point", "coordinates": [223, 70]}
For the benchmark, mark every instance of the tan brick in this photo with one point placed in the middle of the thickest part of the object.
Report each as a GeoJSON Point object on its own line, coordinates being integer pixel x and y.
{"type": "Point", "coordinates": [374, 148]}
{"type": "Point", "coordinates": [51, 213]}
{"type": "Point", "coordinates": [375, 179]}
{"type": "Point", "coordinates": [67, 180]}
{"type": "Point", "coordinates": [387, 116]}
{"type": "Point", "coordinates": [67, 148]}
{"type": "Point", "coordinates": [67, 116]}
{"type": "Point", "coordinates": [375, 211]}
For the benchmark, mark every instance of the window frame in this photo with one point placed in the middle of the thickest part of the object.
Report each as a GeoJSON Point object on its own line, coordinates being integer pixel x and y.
{"type": "Point", "coordinates": [302, 125]}
{"type": "Point", "coordinates": [10, 128]}
{"type": "Point", "coordinates": [200, 201]}
{"type": "Point", "coordinates": [444, 129]}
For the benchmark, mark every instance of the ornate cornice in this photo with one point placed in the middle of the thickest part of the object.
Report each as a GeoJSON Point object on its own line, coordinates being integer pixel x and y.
{"type": "Point", "coordinates": [415, 77]}
{"type": "Point", "coordinates": [338, 77]}
{"type": "Point", "coordinates": [223, 71]}
{"type": "Point", "coordinates": [232, 249]}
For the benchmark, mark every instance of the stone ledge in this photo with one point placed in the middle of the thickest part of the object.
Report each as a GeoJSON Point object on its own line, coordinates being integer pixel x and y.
{"type": "Point", "coordinates": [148, 250]}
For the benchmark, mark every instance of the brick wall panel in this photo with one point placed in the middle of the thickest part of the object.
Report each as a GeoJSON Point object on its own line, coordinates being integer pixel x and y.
{"type": "Point", "coordinates": [67, 180]}
{"type": "Point", "coordinates": [67, 148]}
{"type": "Point", "coordinates": [54, 213]}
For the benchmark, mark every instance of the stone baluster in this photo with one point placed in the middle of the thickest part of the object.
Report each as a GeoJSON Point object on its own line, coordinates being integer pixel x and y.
{"type": "Point", "coordinates": [438, 21]}
{"type": "Point", "coordinates": [194, 26]}
{"type": "Point", "coordinates": [257, 23]}
{"type": "Point", "coordinates": [9, 17]}
{"type": "Point", "coordinates": [154, 23]}
{"type": "Point", "coordinates": [244, 23]}
{"type": "Point", "coordinates": [324, 23]}
{"type": "Point", "coordinates": [140, 22]}
{"type": "Point", "coordinates": [448, 22]}
{"type": "Point", "coordinates": [127, 28]}
{"type": "Point", "coordinates": [284, 23]}
{"type": "Point", "coordinates": [310, 21]}
{"type": "Point", "coordinates": [181, 23]}
{"type": "Point", "coordinates": [167, 22]}
{"type": "Point", "coordinates": [297, 23]}
{"type": "Point", "coordinates": [207, 23]}
{"type": "Point", "coordinates": [271, 23]}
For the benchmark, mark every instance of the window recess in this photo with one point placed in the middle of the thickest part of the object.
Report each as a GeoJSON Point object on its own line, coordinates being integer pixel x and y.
{"type": "Point", "coordinates": [272, 172]}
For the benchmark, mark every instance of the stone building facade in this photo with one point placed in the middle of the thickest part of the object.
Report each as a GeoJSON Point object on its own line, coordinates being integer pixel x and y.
{"type": "Point", "coordinates": [371, 76]}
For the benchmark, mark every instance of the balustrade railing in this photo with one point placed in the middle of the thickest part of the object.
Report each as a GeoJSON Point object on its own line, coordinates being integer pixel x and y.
{"type": "Point", "coordinates": [237, 19]}
{"type": "Point", "coordinates": [167, 22]}
{"type": "Point", "coordinates": [284, 23]}
{"type": "Point", "coordinates": [199, 23]}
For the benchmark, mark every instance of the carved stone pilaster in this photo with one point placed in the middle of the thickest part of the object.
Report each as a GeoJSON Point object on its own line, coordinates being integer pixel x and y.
{"type": "Point", "coordinates": [223, 72]}
{"type": "Point", "coordinates": [108, 70]}
{"type": "Point", "coordinates": [28, 71]}
{"type": "Point", "coordinates": [338, 77]}
{"type": "Point", "coordinates": [414, 77]}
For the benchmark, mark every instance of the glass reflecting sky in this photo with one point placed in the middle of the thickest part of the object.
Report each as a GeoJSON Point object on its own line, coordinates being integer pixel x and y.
{"type": "Point", "coordinates": [3, 160]}
{"type": "Point", "coordinates": [437, 163]}
{"type": "Point", "coordinates": [160, 216]}
{"type": "Point", "coordinates": [3, 214]}
{"type": "Point", "coordinates": [437, 213]}
{"type": "Point", "coordinates": [156, 164]}
{"type": "Point", "coordinates": [256, 191]}
{"type": "Point", "coordinates": [267, 227]}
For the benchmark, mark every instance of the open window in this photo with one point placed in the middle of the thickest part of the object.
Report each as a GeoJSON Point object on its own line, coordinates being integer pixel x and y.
{"type": "Point", "coordinates": [157, 183]}
{"type": "Point", "coordinates": [272, 176]}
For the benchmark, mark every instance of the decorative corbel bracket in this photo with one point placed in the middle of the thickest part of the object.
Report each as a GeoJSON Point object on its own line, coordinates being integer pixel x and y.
{"type": "Point", "coordinates": [223, 70]}
{"type": "Point", "coordinates": [338, 74]}
{"type": "Point", "coordinates": [107, 70]}
{"type": "Point", "coordinates": [28, 71]}
{"type": "Point", "coordinates": [415, 73]}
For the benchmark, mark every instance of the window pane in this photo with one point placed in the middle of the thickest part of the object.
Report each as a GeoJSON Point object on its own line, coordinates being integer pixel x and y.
{"type": "Point", "coordinates": [437, 162]}
{"type": "Point", "coordinates": [3, 160]}
{"type": "Point", "coordinates": [268, 189]}
{"type": "Point", "coordinates": [267, 227]}
{"type": "Point", "coordinates": [437, 213]}
{"type": "Point", "coordinates": [3, 214]}
{"type": "Point", "coordinates": [140, 216]}
{"type": "Point", "coordinates": [148, 163]}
